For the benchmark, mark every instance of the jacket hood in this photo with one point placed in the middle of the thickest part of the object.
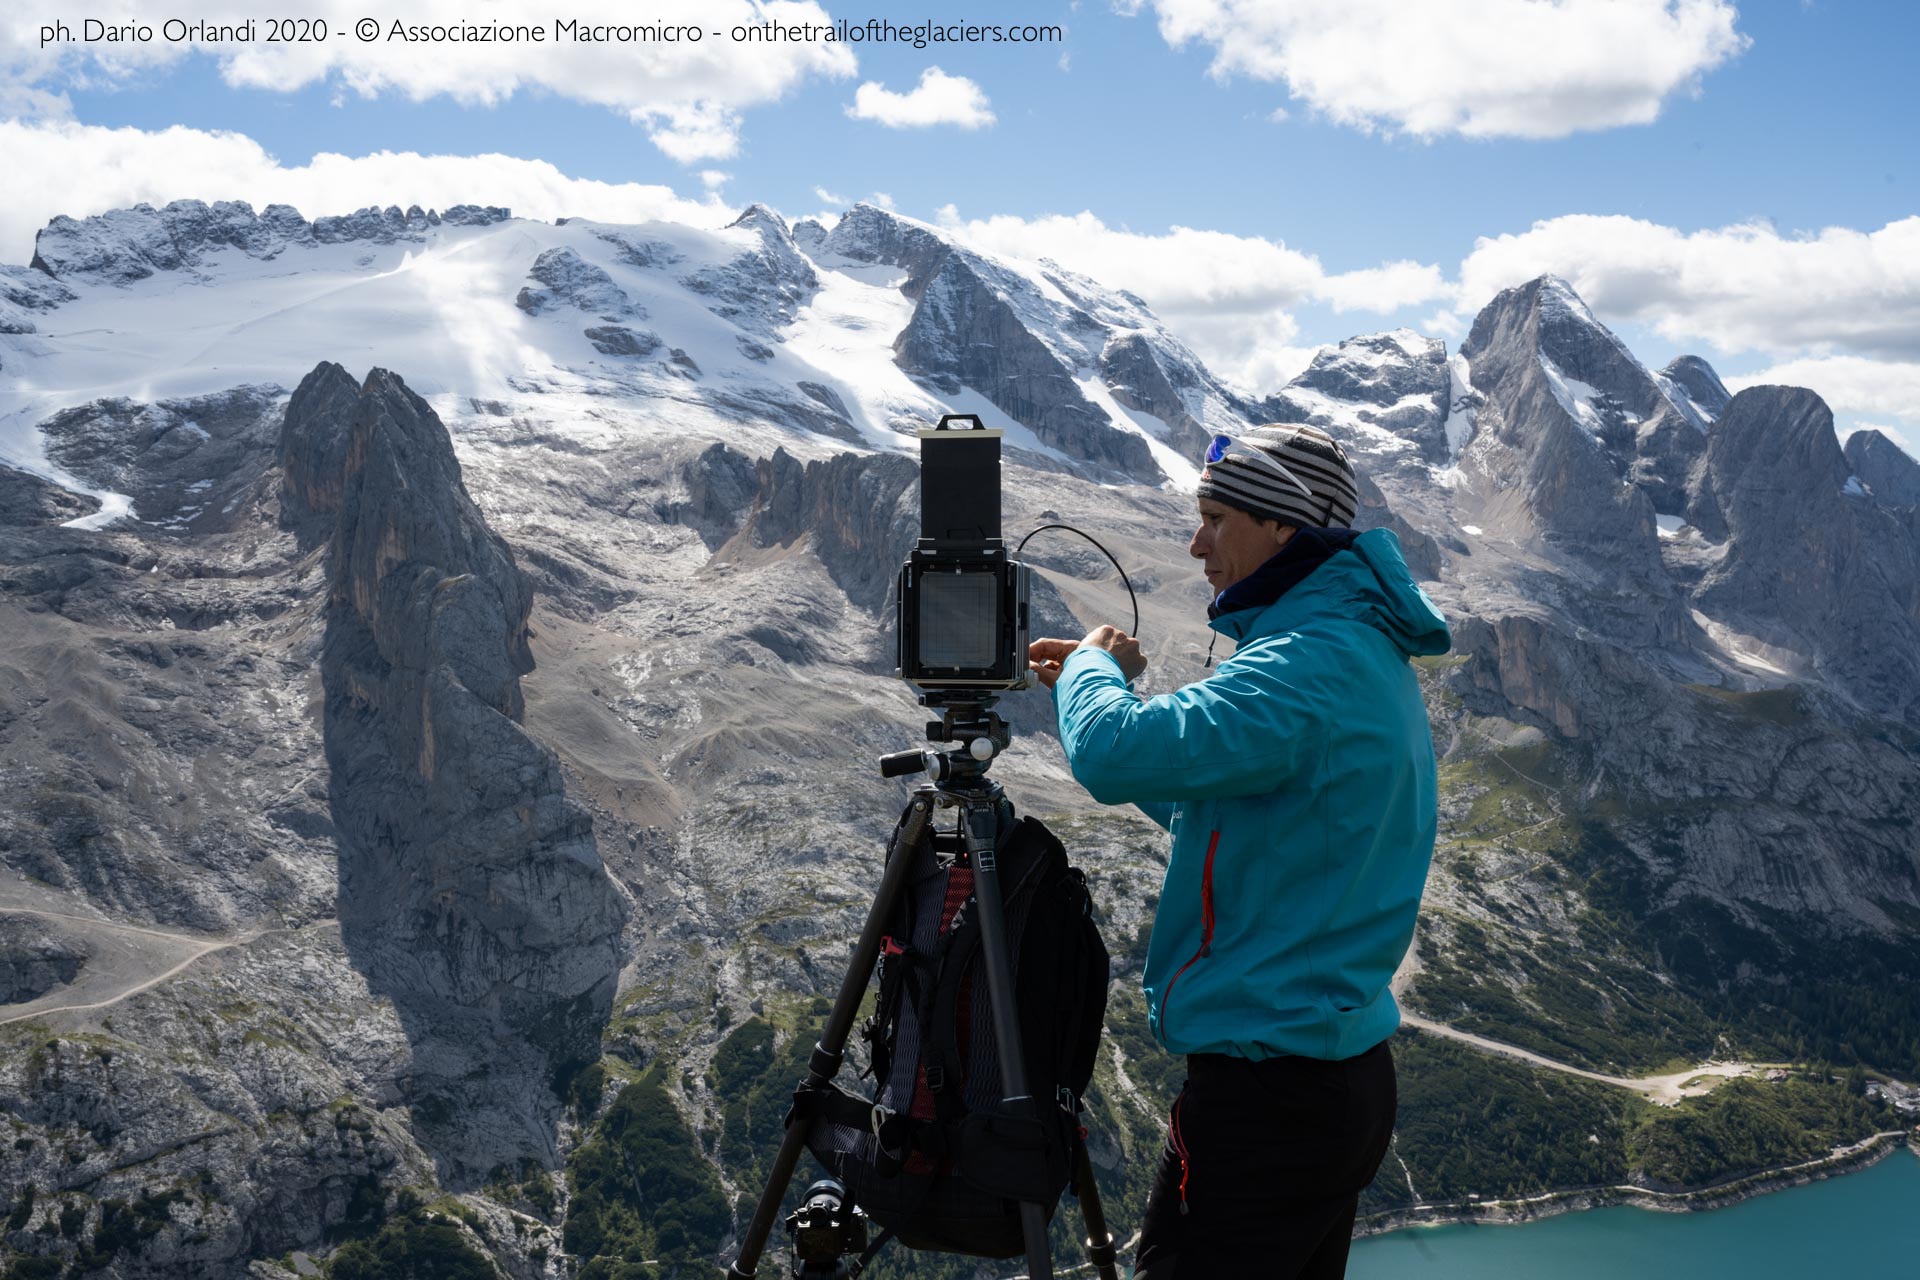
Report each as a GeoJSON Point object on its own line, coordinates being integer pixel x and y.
{"type": "Point", "coordinates": [1369, 581]}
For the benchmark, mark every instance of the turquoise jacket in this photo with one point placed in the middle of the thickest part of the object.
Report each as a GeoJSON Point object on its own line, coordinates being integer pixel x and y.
{"type": "Point", "coordinates": [1298, 781]}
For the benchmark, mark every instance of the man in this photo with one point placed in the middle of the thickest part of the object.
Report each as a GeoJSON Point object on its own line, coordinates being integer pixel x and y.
{"type": "Point", "coordinates": [1298, 782]}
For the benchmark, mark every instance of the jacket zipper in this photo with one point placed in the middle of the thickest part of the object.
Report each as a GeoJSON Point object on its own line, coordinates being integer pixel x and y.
{"type": "Point", "coordinates": [1206, 931]}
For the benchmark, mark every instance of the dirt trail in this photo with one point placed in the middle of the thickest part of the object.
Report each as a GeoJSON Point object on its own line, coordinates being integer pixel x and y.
{"type": "Point", "coordinates": [1663, 1090]}
{"type": "Point", "coordinates": [124, 959]}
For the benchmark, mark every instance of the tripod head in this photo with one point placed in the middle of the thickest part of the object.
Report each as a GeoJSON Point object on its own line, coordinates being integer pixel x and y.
{"type": "Point", "coordinates": [966, 718]}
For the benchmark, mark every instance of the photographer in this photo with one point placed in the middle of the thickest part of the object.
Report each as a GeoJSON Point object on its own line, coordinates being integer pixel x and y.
{"type": "Point", "coordinates": [1298, 781]}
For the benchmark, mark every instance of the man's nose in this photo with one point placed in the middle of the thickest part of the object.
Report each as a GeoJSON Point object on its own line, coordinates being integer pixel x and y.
{"type": "Point", "coordinates": [1200, 545]}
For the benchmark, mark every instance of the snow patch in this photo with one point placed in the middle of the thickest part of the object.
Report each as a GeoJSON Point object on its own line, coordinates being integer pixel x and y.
{"type": "Point", "coordinates": [1471, 529]}
{"type": "Point", "coordinates": [1854, 489]}
{"type": "Point", "coordinates": [1460, 394]}
{"type": "Point", "coordinates": [1748, 651]}
{"type": "Point", "coordinates": [1671, 526]}
{"type": "Point", "coordinates": [113, 507]}
{"type": "Point", "coordinates": [1575, 396]}
{"type": "Point", "coordinates": [1677, 396]}
{"type": "Point", "coordinates": [1183, 476]}
{"type": "Point", "coordinates": [1325, 410]}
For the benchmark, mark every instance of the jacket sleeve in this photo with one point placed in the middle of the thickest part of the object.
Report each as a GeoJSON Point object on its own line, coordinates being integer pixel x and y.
{"type": "Point", "coordinates": [1245, 731]}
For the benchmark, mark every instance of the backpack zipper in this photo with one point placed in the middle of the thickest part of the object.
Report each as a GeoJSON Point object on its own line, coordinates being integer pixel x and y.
{"type": "Point", "coordinates": [1206, 931]}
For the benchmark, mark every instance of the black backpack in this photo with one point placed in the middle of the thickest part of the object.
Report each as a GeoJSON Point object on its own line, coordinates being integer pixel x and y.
{"type": "Point", "coordinates": [931, 1157]}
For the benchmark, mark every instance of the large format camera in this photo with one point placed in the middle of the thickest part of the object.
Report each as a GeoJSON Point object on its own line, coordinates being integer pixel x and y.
{"type": "Point", "coordinates": [963, 598]}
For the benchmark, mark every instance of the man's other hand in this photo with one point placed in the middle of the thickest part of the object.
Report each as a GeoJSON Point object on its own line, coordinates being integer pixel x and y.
{"type": "Point", "coordinates": [1124, 648]}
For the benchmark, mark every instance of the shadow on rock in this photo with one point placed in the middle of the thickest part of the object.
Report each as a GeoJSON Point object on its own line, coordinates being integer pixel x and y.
{"type": "Point", "coordinates": [471, 893]}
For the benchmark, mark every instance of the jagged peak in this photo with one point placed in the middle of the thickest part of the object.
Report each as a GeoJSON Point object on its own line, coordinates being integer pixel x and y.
{"type": "Point", "coordinates": [1884, 467]}
{"type": "Point", "coordinates": [1554, 292]}
{"type": "Point", "coordinates": [759, 217]}
{"type": "Point", "coordinates": [1386, 344]}
{"type": "Point", "coordinates": [868, 225]}
{"type": "Point", "coordinates": [1692, 386]}
{"type": "Point", "coordinates": [867, 210]}
{"type": "Point", "coordinates": [1551, 297]}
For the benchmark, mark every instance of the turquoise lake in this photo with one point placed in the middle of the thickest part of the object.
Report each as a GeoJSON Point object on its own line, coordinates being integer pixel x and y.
{"type": "Point", "coordinates": [1859, 1225]}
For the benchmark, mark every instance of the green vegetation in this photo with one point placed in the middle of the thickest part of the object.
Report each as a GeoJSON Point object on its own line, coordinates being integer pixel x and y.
{"type": "Point", "coordinates": [1595, 1006]}
{"type": "Point", "coordinates": [641, 1190]}
{"type": "Point", "coordinates": [1644, 976]}
{"type": "Point", "coordinates": [22, 1211]}
{"type": "Point", "coordinates": [582, 1086]}
{"type": "Point", "coordinates": [754, 1084]}
{"type": "Point", "coordinates": [1745, 1126]}
{"type": "Point", "coordinates": [1783, 707]}
{"type": "Point", "coordinates": [125, 1225]}
{"type": "Point", "coordinates": [1846, 1001]}
{"type": "Point", "coordinates": [417, 1244]}
{"type": "Point", "coordinates": [25, 1268]}
{"type": "Point", "coordinates": [1472, 1124]}
{"type": "Point", "coordinates": [527, 1185]}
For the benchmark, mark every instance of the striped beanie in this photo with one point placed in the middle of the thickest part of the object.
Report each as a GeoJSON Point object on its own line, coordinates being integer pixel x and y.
{"type": "Point", "coordinates": [1311, 455]}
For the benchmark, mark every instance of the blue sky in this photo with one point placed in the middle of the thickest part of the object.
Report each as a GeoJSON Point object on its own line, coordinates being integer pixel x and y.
{"type": "Point", "coordinates": [1795, 115]}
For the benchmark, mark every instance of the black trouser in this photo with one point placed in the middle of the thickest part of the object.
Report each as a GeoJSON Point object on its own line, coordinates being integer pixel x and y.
{"type": "Point", "coordinates": [1264, 1166]}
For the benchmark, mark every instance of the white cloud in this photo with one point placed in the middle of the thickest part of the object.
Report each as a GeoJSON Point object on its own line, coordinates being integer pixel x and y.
{"type": "Point", "coordinates": [1230, 297]}
{"type": "Point", "coordinates": [1740, 288]}
{"type": "Point", "coordinates": [101, 169]}
{"type": "Point", "coordinates": [938, 99]}
{"type": "Point", "coordinates": [1849, 384]}
{"type": "Point", "coordinates": [825, 196]}
{"type": "Point", "coordinates": [714, 179]}
{"type": "Point", "coordinates": [882, 199]}
{"type": "Point", "coordinates": [1384, 288]}
{"type": "Point", "coordinates": [687, 94]}
{"type": "Point", "coordinates": [1483, 68]}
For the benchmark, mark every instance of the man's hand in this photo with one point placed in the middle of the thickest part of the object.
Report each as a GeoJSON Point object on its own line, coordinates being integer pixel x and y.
{"type": "Point", "coordinates": [1045, 656]}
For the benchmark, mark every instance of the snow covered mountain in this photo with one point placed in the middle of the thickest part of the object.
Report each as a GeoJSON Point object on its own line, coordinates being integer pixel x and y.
{"type": "Point", "coordinates": [443, 646]}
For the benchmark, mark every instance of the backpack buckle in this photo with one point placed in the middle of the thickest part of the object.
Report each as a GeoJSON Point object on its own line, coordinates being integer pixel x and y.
{"type": "Point", "coordinates": [879, 1117]}
{"type": "Point", "coordinates": [936, 1077]}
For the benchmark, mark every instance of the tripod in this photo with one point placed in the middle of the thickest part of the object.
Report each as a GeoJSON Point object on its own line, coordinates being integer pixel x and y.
{"type": "Point", "coordinates": [958, 782]}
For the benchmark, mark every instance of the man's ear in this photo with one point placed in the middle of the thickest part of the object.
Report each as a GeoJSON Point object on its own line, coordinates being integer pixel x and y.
{"type": "Point", "coordinates": [1282, 533]}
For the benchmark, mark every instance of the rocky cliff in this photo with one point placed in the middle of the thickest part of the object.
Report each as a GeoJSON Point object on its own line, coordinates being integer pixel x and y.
{"type": "Point", "coordinates": [471, 892]}
{"type": "Point", "coordinates": [1817, 570]}
{"type": "Point", "coordinates": [1888, 471]}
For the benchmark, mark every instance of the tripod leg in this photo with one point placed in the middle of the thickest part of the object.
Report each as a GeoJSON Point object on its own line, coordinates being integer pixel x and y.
{"type": "Point", "coordinates": [982, 819]}
{"type": "Point", "coordinates": [827, 1053]}
{"type": "Point", "coordinates": [1100, 1250]}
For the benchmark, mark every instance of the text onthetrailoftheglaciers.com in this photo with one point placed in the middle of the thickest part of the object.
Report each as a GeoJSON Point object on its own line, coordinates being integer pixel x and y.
{"type": "Point", "coordinates": [293, 31]}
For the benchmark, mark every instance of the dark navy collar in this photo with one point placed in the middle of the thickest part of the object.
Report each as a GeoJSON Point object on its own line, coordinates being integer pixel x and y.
{"type": "Point", "coordinates": [1305, 551]}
